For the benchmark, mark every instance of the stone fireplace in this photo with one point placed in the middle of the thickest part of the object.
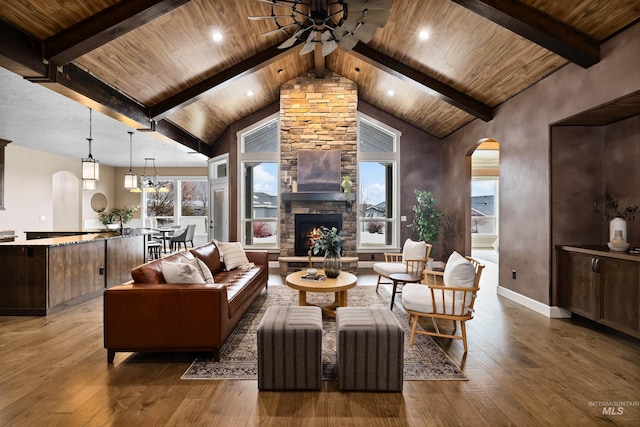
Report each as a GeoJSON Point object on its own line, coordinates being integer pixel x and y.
{"type": "Point", "coordinates": [305, 224]}
{"type": "Point", "coordinates": [317, 114]}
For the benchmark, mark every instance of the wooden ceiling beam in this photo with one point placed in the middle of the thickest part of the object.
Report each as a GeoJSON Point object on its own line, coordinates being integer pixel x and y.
{"type": "Point", "coordinates": [103, 27]}
{"type": "Point", "coordinates": [18, 48]}
{"type": "Point", "coordinates": [434, 87]}
{"type": "Point", "coordinates": [540, 28]}
{"type": "Point", "coordinates": [78, 81]}
{"type": "Point", "coordinates": [198, 91]}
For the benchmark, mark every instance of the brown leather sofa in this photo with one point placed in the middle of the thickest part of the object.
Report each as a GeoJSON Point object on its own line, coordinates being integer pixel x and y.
{"type": "Point", "coordinates": [147, 314]}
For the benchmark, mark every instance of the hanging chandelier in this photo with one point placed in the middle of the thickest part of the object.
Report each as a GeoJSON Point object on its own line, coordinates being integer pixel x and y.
{"type": "Point", "coordinates": [326, 24]}
{"type": "Point", "coordinates": [90, 166]}
{"type": "Point", "coordinates": [130, 178]}
{"type": "Point", "coordinates": [150, 183]}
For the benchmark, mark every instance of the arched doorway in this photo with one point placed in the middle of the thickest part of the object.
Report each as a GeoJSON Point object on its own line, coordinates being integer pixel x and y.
{"type": "Point", "coordinates": [67, 193]}
{"type": "Point", "coordinates": [485, 196]}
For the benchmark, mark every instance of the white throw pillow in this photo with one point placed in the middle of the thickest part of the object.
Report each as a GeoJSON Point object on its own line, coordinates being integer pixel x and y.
{"type": "Point", "coordinates": [177, 272]}
{"type": "Point", "coordinates": [202, 268]}
{"type": "Point", "coordinates": [233, 255]}
{"type": "Point", "coordinates": [459, 272]}
{"type": "Point", "coordinates": [414, 250]}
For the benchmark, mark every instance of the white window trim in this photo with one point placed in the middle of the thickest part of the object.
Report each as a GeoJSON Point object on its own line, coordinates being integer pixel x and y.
{"type": "Point", "coordinates": [394, 158]}
{"type": "Point", "coordinates": [254, 157]}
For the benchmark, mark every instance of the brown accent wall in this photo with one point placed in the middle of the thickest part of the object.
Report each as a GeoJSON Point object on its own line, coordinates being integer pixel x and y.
{"type": "Point", "coordinates": [420, 168]}
{"type": "Point", "coordinates": [522, 127]}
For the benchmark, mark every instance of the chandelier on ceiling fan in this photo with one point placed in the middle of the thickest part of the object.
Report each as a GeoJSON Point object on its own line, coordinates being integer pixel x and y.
{"type": "Point", "coordinates": [326, 23]}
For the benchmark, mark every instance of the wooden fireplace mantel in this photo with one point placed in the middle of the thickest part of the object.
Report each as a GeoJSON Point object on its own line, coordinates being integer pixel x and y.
{"type": "Point", "coordinates": [308, 196]}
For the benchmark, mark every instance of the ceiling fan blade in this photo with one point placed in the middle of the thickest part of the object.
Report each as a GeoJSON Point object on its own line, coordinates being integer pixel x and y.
{"type": "Point", "coordinates": [279, 29]}
{"type": "Point", "coordinates": [286, 6]}
{"type": "Point", "coordinates": [308, 47]}
{"type": "Point", "coordinates": [328, 47]}
{"type": "Point", "coordinates": [259, 18]}
{"type": "Point", "coordinates": [348, 42]}
{"type": "Point", "coordinates": [361, 5]}
{"type": "Point", "coordinates": [288, 43]}
{"type": "Point", "coordinates": [373, 17]}
{"type": "Point", "coordinates": [362, 31]}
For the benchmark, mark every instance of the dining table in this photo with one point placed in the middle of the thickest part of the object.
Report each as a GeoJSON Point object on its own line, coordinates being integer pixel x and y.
{"type": "Point", "coordinates": [164, 231]}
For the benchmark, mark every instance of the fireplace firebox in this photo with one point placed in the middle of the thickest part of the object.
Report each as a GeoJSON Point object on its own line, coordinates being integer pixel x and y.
{"type": "Point", "coordinates": [304, 224]}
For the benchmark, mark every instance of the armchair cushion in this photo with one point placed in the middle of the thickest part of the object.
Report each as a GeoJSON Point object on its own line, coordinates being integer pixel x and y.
{"type": "Point", "coordinates": [459, 272]}
{"type": "Point", "coordinates": [414, 250]}
{"type": "Point", "coordinates": [417, 297]}
{"type": "Point", "coordinates": [388, 268]}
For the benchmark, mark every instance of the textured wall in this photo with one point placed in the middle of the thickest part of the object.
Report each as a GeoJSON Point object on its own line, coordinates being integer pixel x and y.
{"type": "Point", "coordinates": [318, 114]}
{"type": "Point", "coordinates": [521, 126]}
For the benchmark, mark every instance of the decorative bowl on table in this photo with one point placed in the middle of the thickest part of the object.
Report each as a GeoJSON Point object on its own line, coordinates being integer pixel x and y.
{"type": "Point", "coordinates": [618, 245]}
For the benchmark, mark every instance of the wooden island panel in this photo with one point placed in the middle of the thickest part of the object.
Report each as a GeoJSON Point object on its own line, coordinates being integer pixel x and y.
{"type": "Point", "coordinates": [41, 276]}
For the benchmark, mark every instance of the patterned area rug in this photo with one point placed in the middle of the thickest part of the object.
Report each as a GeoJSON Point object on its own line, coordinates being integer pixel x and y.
{"type": "Point", "coordinates": [238, 356]}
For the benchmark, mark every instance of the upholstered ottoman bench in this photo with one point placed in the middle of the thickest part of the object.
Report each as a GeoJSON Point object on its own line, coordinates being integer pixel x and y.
{"type": "Point", "coordinates": [370, 349]}
{"type": "Point", "coordinates": [290, 349]}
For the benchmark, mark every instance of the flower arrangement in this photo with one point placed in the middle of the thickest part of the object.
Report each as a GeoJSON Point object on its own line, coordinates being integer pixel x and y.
{"type": "Point", "coordinates": [327, 240]}
{"type": "Point", "coordinates": [609, 207]}
{"type": "Point", "coordinates": [126, 214]}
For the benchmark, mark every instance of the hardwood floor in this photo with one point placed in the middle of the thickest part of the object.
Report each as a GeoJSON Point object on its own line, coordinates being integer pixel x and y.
{"type": "Point", "coordinates": [523, 369]}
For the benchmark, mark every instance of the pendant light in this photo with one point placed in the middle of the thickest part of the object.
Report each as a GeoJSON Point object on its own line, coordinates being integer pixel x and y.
{"type": "Point", "coordinates": [90, 166]}
{"type": "Point", "coordinates": [130, 178]}
{"type": "Point", "coordinates": [89, 184]}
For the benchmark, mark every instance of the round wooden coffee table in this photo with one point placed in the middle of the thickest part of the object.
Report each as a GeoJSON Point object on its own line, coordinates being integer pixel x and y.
{"type": "Point", "coordinates": [338, 286]}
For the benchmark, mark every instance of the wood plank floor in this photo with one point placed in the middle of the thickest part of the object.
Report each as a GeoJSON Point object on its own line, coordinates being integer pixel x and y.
{"type": "Point", "coordinates": [523, 369]}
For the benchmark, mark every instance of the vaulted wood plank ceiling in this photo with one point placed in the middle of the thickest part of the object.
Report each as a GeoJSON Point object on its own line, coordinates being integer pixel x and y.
{"type": "Point", "coordinates": [156, 60]}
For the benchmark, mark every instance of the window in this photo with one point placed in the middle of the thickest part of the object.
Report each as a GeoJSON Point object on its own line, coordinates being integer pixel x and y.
{"type": "Point", "coordinates": [185, 203]}
{"type": "Point", "coordinates": [484, 219]}
{"type": "Point", "coordinates": [378, 158]}
{"type": "Point", "coordinates": [259, 163]}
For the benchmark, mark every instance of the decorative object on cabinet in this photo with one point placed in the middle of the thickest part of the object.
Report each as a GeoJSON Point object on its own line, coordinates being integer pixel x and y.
{"type": "Point", "coordinates": [610, 210]}
{"type": "Point", "coordinates": [618, 243]}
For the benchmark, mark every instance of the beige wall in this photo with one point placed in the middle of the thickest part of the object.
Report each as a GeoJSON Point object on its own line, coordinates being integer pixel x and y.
{"type": "Point", "coordinates": [29, 196]}
{"type": "Point", "coordinates": [30, 199]}
{"type": "Point", "coordinates": [521, 126]}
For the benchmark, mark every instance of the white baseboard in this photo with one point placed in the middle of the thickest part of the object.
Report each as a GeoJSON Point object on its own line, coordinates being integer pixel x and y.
{"type": "Point", "coordinates": [552, 312]}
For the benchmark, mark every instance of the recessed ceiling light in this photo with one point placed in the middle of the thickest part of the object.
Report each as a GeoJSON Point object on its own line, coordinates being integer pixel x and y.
{"type": "Point", "coordinates": [424, 35]}
{"type": "Point", "coordinates": [390, 92]}
{"type": "Point", "coordinates": [250, 93]}
{"type": "Point", "coordinates": [216, 36]}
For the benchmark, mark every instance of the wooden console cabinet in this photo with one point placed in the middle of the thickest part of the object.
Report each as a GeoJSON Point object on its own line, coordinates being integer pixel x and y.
{"type": "Point", "coordinates": [41, 276]}
{"type": "Point", "coordinates": [600, 285]}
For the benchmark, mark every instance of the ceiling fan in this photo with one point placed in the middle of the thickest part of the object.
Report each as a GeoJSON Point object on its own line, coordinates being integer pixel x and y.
{"type": "Point", "coordinates": [326, 24]}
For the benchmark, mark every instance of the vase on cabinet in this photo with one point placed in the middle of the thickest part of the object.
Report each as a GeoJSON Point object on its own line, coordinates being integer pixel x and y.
{"type": "Point", "coordinates": [617, 224]}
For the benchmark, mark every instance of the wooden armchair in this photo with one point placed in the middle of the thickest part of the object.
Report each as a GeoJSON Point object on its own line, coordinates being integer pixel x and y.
{"type": "Point", "coordinates": [453, 299]}
{"type": "Point", "coordinates": [414, 258]}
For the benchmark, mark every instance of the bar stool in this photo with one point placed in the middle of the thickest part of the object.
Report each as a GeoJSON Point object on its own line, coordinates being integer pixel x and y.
{"type": "Point", "coordinates": [154, 249]}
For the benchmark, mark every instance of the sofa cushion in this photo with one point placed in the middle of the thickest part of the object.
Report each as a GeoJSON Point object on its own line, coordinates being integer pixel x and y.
{"type": "Point", "coordinates": [210, 255]}
{"type": "Point", "coordinates": [233, 255]}
{"type": "Point", "coordinates": [151, 272]}
{"type": "Point", "coordinates": [202, 268]}
{"type": "Point", "coordinates": [181, 272]}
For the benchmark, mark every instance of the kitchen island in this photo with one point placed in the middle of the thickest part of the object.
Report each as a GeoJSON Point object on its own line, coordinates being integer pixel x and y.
{"type": "Point", "coordinates": [41, 276]}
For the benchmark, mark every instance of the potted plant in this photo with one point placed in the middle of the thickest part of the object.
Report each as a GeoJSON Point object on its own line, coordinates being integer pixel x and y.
{"type": "Point", "coordinates": [123, 215]}
{"type": "Point", "coordinates": [427, 220]}
{"type": "Point", "coordinates": [329, 241]}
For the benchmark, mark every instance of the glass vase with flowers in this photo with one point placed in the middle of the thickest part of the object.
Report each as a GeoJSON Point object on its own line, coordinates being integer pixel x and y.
{"type": "Point", "coordinates": [328, 241]}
